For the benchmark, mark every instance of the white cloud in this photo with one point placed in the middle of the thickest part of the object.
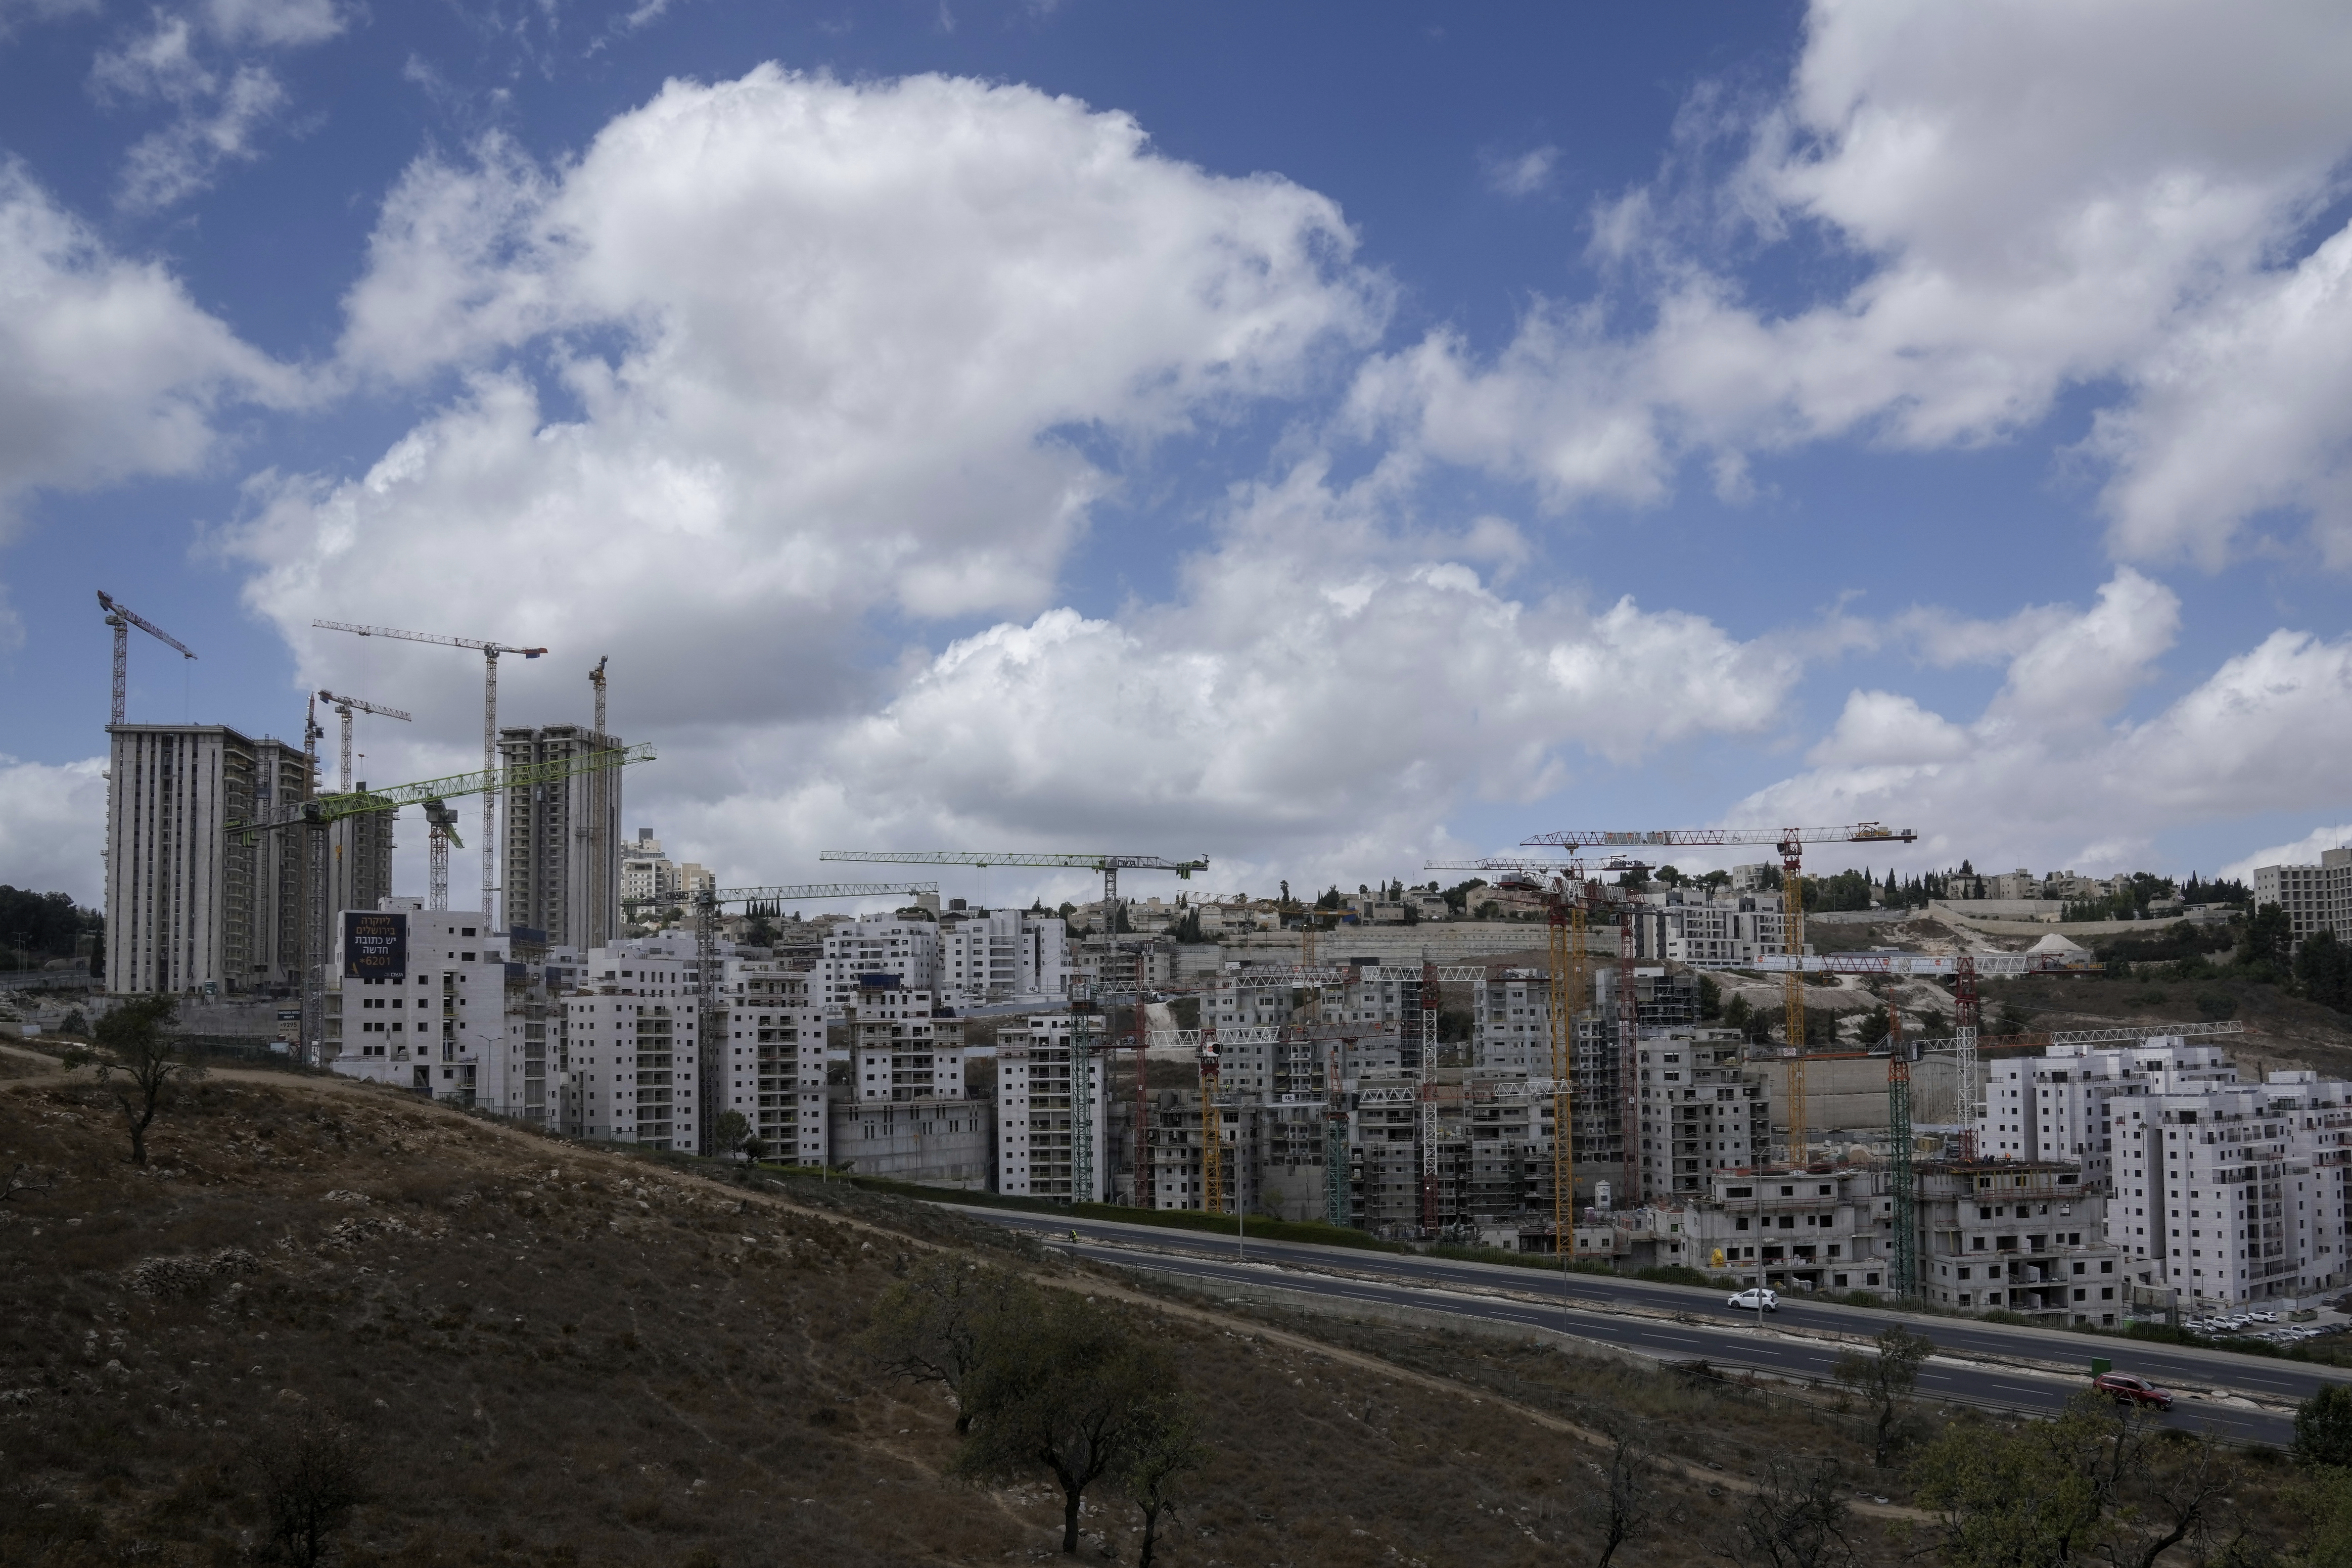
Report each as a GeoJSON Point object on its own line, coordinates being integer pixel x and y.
{"type": "Point", "coordinates": [53, 827]}
{"type": "Point", "coordinates": [2051, 774]}
{"type": "Point", "coordinates": [178, 161]}
{"type": "Point", "coordinates": [107, 370]}
{"type": "Point", "coordinates": [1321, 694]}
{"type": "Point", "coordinates": [2304, 851]}
{"type": "Point", "coordinates": [189, 59]}
{"type": "Point", "coordinates": [857, 336]}
{"type": "Point", "coordinates": [2043, 195]}
{"type": "Point", "coordinates": [1526, 175]}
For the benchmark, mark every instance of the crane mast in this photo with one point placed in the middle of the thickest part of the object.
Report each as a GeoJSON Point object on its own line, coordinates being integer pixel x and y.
{"type": "Point", "coordinates": [1790, 841]}
{"type": "Point", "coordinates": [121, 618]}
{"type": "Point", "coordinates": [346, 707]}
{"type": "Point", "coordinates": [1899, 1173]}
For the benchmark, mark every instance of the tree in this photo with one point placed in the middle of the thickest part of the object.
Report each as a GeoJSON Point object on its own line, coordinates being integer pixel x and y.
{"type": "Point", "coordinates": [1710, 999]}
{"type": "Point", "coordinates": [309, 1478]}
{"type": "Point", "coordinates": [2100, 1481]}
{"type": "Point", "coordinates": [149, 1062]}
{"type": "Point", "coordinates": [2322, 1427]}
{"type": "Point", "coordinates": [1882, 1379]}
{"type": "Point", "coordinates": [730, 1131]}
{"type": "Point", "coordinates": [2323, 967]}
{"type": "Point", "coordinates": [1626, 1502]}
{"type": "Point", "coordinates": [2324, 1500]}
{"type": "Point", "coordinates": [1795, 1519]}
{"type": "Point", "coordinates": [1164, 1448]}
{"type": "Point", "coordinates": [1870, 1027]}
{"type": "Point", "coordinates": [1062, 1389]}
{"type": "Point", "coordinates": [2267, 942]}
{"type": "Point", "coordinates": [935, 1324]}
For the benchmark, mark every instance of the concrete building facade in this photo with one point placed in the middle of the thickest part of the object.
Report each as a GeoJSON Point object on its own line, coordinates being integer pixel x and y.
{"type": "Point", "coordinates": [189, 908]}
{"type": "Point", "coordinates": [2315, 897]}
{"type": "Point", "coordinates": [1052, 1132]}
{"type": "Point", "coordinates": [562, 851]}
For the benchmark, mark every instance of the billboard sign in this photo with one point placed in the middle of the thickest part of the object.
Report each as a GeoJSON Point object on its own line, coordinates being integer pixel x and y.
{"type": "Point", "coordinates": [375, 944]}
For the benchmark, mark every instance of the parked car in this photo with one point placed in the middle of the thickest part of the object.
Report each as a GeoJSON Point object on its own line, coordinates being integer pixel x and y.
{"type": "Point", "coordinates": [1757, 1298]}
{"type": "Point", "coordinates": [2125, 1389]}
{"type": "Point", "coordinates": [2263, 1317]}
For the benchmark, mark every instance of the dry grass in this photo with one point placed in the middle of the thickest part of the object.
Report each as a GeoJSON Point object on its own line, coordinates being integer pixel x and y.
{"type": "Point", "coordinates": [565, 1356]}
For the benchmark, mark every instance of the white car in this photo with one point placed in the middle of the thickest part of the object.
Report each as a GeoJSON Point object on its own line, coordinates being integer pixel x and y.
{"type": "Point", "coordinates": [2263, 1317]}
{"type": "Point", "coordinates": [1756, 1299]}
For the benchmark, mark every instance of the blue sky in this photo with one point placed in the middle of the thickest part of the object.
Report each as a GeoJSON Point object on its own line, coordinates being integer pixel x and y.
{"type": "Point", "coordinates": [1314, 436]}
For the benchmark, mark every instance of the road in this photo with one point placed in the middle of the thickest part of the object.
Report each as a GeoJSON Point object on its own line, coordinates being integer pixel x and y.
{"type": "Point", "coordinates": [1683, 1323]}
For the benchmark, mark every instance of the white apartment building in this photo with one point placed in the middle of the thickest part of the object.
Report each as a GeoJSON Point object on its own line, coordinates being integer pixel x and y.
{"type": "Point", "coordinates": [1001, 955]}
{"type": "Point", "coordinates": [876, 947]}
{"type": "Point", "coordinates": [646, 872]}
{"type": "Point", "coordinates": [1052, 1129]}
{"type": "Point", "coordinates": [1701, 1113]}
{"type": "Point", "coordinates": [634, 1058]}
{"type": "Point", "coordinates": [772, 1060]}
{"type": "Point", "coordinates": [2223, 1191]}
{"type": "Point", "coordinates": [1709, 933]}
{"type": "Point", "coordinates": [446, 1027]}
{"type": "Point", "coordinates": [2315, 897]}
{"type": "Point", "coordinates": [905, 1055]}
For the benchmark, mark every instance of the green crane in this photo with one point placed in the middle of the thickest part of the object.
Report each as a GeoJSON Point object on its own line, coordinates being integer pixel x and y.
{"type": "Point", "coordinates": [321, 812]}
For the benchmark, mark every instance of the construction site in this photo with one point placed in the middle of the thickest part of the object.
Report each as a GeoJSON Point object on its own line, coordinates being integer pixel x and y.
{"type": "Point", "coordinates": [1564, 1078]}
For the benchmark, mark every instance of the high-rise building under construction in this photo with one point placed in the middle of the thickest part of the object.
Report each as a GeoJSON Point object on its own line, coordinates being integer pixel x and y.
{"type": "Point", "coordinates": [561, 857]}
{"type": "Point", "coordinates": [189, 907]}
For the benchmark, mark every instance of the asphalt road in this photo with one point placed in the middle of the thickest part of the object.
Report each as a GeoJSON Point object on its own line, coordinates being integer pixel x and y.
{"type": "Point", "coordinates": [1696, 1324]}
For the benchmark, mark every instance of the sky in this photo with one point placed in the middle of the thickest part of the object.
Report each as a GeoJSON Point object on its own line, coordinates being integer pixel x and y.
{"type": "Point", "coordinates": [1317, 437]}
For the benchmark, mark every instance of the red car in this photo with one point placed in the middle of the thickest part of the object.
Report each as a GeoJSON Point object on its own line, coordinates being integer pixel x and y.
{"type": "Point", "coordinates": [2125, 1389]}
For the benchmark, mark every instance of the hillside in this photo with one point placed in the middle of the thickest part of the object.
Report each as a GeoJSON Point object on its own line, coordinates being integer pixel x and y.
{"type": "Point", "coordinates": [556, 1354]}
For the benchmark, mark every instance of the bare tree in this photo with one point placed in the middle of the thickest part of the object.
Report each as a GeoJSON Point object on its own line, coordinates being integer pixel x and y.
{"type": "Point", "coordinates": [149, 1059]}
{"type": "Point", "coordinates": [1626, 1502]}
{"type": "Point", "coordinates": [1883, 1380]}
{"type": "Point", "coordinates": [1062, 1389]}
{"type": "Point", "coordinates": [309, 1478]}
{"type": "Point", "coordinates": [22, 1180]}
{"type": "Point", "coordinates": [1796, 1519]}
{"type": "Point", "coordinates": [933, 1325]}
{"type": "Point", "coordinates": [1164, 1446]}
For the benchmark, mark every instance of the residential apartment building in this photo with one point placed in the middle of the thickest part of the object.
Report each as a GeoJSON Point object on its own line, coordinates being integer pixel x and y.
{"type": "Point", "coordinates": [2219, 1190]}
{"type": "Point", "coordinates": [190, 906]}
{"type": "Point", "coordinates": [1052, 1133]}
{"type": "Point", "coordinates": [1702, 1114]}
{"type": "Point", "coordinates": [1814, 1231]}
{"type": "Point", "coordinates": [635, 1062]}
{"type": "Point", "coordinates": [772, 1069]}
{"type": "Point", "coordinates": [1001, 955]}
{"type": "Point", "coordinates": [873, 948]}
{"type": "Point", "coordinates": [2315, 897]}
{"type": "Point", "coordinates": [561, 846]}
{"type": "Point", "coordinates": [2030, 1238]}
{"type": "Point", "coordinates": [461, 1023]}
{"type": "Point", "coordinates": [1685, 925]}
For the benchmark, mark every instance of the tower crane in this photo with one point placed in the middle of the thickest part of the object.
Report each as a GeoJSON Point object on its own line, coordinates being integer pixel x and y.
{"type": "Point", "coordinates": [1790, 842]}
{"type": "Point", "coordinates": [707, 901]}
{"type": "Point", "coordinates": [346, 707]}
{"type": "Point", "coordinates": [320, 812]}
{"type": "Point", "coordinates": [1110, 866]}
{"type": "Point", "coordinates": [122, 618]}
{"type": "Point", "coordinates": [1899, 1146]}
{"type": "Point", "coordinates": [441, 831]}
{"type": "Point", "coordinates": [489, 652]}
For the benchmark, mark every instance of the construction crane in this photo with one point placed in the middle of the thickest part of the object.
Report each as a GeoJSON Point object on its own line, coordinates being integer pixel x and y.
{"type": "Point", "coordinates": [1110, 866]}
{"type": "Point", "coordinates": [1790, 842]}
{"type": "Point", "coordinates": [489, 652]}
{"type": "Point", "coordinates": [1336, 1207]}
{"type": "Point", "coordinates": [707, 901]}
{"type": "Point", "coordinates": [1985, 964]}
{"type": "Point", "coordinates": [441, 831]}
{"type": "Point", "coordinates": [321, 812]}
{"type": "Point", "coordinates": [346, 707]}
{"type": "Point", "coordinates": [1898, 1140]}
{"type": "Point", "coordinates": [121, 618]}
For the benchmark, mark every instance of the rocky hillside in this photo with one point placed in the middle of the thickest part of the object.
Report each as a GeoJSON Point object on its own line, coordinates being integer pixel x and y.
{"type": "Point", "coordinates": [552, 1355]}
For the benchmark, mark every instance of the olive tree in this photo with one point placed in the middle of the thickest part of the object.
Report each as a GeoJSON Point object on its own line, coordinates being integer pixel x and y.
{"type": "Point", "coordinates": [149, 1062]}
